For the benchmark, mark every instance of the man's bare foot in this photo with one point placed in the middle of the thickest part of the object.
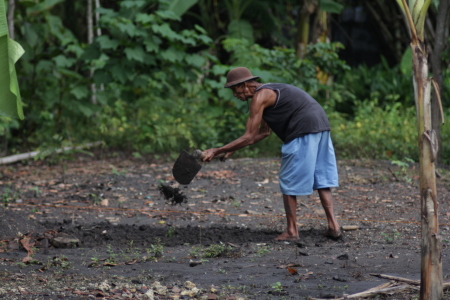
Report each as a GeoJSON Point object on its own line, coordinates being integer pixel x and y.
{"type": "Point", "coordinates": [334, 235]}
{"type": "Point", "coordinates": [287, 237]}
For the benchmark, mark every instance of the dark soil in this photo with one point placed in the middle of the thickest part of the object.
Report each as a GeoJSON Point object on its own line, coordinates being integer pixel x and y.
{"type": "Point", "coordinates": [131, 232]}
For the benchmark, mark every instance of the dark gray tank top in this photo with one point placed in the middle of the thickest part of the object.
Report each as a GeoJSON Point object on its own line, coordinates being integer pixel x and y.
{"type": "Point", "coordinates": [295, 113]}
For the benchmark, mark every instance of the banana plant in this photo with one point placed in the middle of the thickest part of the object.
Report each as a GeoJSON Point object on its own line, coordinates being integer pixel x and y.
{"type": "Point", "coordinates": [431, 243]}
{"type": "Point", "coordinates": [10, 52]}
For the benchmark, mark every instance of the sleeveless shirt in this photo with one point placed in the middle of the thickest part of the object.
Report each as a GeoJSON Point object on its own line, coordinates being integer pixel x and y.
{"type": "Point", "coordinates": [295, 113]}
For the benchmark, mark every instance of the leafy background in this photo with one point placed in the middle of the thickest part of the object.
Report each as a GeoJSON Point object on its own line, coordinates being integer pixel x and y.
{"type": "Point", "coordinates": [151, 81]}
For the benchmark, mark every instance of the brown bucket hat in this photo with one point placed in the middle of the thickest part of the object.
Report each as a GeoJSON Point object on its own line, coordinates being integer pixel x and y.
{"type": "Point", "coordinates": [239, 75]}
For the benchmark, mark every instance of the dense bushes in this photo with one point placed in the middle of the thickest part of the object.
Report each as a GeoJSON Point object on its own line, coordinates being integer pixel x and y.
{"type": "Point", "coordinates": [159, 89]}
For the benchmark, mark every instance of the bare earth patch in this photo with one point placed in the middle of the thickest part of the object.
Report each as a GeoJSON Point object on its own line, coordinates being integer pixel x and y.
{"type": "Point", "coordinates": [101, 228]}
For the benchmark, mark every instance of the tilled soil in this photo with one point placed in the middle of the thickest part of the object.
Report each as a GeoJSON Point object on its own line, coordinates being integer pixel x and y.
{"type": "Point", "coordinates": [121, 238]}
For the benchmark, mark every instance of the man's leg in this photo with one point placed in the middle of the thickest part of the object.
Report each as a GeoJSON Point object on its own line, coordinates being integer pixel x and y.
{"type": "Point", "coordinates": [290, 207]}
{"type": "Point", "coordinates": [326, 198]}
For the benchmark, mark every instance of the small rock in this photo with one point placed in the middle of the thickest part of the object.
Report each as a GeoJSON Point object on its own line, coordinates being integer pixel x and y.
{"type": "Point", "coordinates": [104, 286]}
{"type": "Point", "coordinates": [300, 245]}
{"type": "Point", "coordinates": [194, 263]}
{"type": "Point", "coordinates": [63, 240]}
{"type": "Point", "coordinates": [337, 278]}
{"type": "Point", "coordinates": [343, 257]}
{"type": "Point", "coordinates": [190, 292]}
{"type": "Point", "coordinates": [14, 245]}
{"type": "Point", "coordinates": [159, 289]}
{"type": "Point", "coordinates": [189, 285]}
{"type": "Point", "coordinates": [150, 295]}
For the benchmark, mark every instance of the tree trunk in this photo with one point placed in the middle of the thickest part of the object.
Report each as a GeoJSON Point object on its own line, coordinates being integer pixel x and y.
{"type": "Point", "coordinates": [90, 22]}
{"type": "Point", "coordinates": [11, 8]}
{"type": "Point", "coordinates": [97, 18]}
{"type": "Point", "coordinates": [431, 246]}
{"type": "Point", "coordinates": [303, 26]}
{"type": "Point", "coordinates": [90, 32]}
{"type": "Point", "coordinates": [99, 31]}
{"type": "Point", "coordinates": [431, 287]}
{"type": "Point", "coordinates": [441, 37]}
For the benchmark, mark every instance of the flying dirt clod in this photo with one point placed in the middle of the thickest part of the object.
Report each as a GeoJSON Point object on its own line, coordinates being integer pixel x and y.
{"type": "Point", "coordinates": [172, 194]}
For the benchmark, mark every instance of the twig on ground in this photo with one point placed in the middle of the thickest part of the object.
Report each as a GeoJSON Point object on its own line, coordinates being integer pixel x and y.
{"type": "Point", "coordinates": [28, 155]}
{"type": "Point", "coordinates": [410, 281]}
{"type": "Point", "coordinates": [385, 288]}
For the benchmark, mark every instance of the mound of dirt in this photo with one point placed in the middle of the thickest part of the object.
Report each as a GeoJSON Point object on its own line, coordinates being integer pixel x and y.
{"type": "Point", "coordinates": [13, 223]}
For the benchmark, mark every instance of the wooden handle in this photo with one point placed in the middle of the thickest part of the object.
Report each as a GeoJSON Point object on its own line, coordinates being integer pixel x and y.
{"type": "Point", "coordinates": [199, 154]}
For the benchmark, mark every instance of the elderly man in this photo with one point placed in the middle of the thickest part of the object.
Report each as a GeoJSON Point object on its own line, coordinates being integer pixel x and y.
{"type": "Point", "coordinates": [308, 161]}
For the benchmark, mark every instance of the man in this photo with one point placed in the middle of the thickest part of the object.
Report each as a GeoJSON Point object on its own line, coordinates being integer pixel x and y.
{"type": "Point", "coordinates": [308, 160]}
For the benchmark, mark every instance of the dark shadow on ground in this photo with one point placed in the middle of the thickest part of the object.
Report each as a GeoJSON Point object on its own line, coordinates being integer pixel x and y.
{"type": "Point", "coordinates": [97, 235]}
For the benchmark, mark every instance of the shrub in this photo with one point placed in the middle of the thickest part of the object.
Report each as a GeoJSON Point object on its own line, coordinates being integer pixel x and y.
{"type": "Point", "coordinates": [376, 133]}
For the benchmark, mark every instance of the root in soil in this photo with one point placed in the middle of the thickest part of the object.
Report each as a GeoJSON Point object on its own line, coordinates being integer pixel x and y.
{"type": "Point", "coordinates": [172, 194]}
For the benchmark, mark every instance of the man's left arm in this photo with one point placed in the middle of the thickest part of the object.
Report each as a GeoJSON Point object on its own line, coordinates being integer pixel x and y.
{"type": "Point", "coordinates": [264, 131]}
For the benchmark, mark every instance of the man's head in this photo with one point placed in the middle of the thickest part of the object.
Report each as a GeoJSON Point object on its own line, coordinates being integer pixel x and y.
{"type": "Point", "coordinates": [238, 76]}
{"type": "Point", "coordinates": [237, 80]}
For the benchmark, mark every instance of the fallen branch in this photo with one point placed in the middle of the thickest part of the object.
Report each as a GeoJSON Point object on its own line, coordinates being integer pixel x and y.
{"type": "Point", "coordinates": [410, 281]}
{"type": "Point", "coordinates": [28, 155]}
{"type": "Point", "coordinates": [386, 288]}
{"type": "Point", "coordinates": [390, 277]}
{"type": "Point", "coordinates": [375, 291]}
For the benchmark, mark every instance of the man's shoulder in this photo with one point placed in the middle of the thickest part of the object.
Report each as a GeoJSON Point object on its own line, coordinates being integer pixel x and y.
{"type": "Point", "coordinates": [277, 85]}
{"type": "Point", "coordinates": [267, 96]}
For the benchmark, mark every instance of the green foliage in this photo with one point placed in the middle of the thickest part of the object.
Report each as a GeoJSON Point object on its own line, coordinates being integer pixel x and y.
{"type": "Point", "coordinates": [404, 166]}
{"type": "Point", "coordinates": [52, 83]}
{"type": "Point", "coordinates": [282, 65]}
{"type": "Point", "coordinates": [212, 251]}
{"type": "Point", "coordinates": [387, 85]}
{"type": "Point", "coordinates": [277, 287]}
{"type": "Point", "coordinates": [159, 81]}
{"type": "Point", "coordinates": [156, 251]}
{"type": "Point", "coordinates": [390, 237]}
{"type": "Point", "coordinates": [178, 7]}
{"type": "Point", "coordinates": [376, 133]}
{"type": "Point", "coordinates": [171, 232]}
{"type": "Point", "coordinates": [331, 6]}
{"type": "Point", "coordinates": [8, 195]}
{"type": "Point", "coordinates": [445, 92]}
{"type": "Point", "coordinates": [445, 135]}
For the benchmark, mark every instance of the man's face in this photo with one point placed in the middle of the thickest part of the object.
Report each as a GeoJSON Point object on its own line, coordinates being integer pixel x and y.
{"type": "Point", "coordinates": [239, 92]}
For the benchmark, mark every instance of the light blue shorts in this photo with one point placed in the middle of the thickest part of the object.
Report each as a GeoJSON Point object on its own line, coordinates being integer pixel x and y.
{"type": "Point", "coordinates": [308, 163]}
